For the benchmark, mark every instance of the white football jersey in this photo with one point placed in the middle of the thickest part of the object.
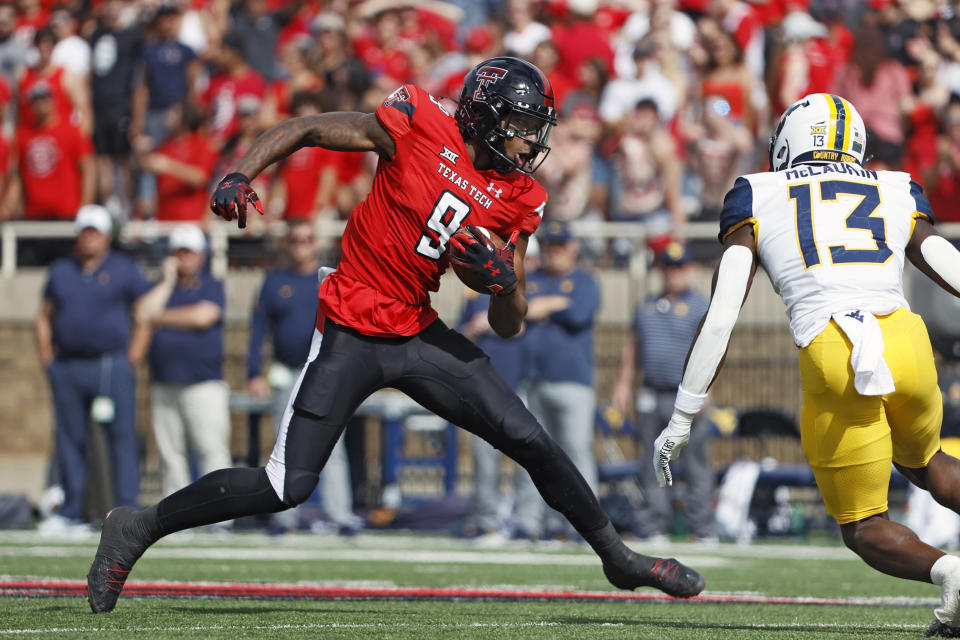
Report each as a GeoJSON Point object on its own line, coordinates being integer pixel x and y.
{"type": "Point", "coordinates": [831, 237]}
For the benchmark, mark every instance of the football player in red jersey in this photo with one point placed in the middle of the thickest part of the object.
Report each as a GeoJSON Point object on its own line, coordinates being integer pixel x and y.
{"type": "Point", "coordinates": [437, 172]}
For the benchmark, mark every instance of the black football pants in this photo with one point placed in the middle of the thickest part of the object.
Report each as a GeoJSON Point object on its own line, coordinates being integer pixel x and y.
{"type": "Point", "coordinates": [439, 369]}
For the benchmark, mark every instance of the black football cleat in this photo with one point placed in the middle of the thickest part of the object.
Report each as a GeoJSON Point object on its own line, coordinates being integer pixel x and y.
{"type": "Point", "coordinates": [939, 629]}
{"type": "Point", "coordinates": [666, 574]}
{"type": "Point", "coordinates": [119, 549]}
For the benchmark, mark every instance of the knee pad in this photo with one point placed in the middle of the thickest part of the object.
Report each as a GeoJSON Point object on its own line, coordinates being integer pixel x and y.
{"type": "Point", "coordinates": [298, 485]}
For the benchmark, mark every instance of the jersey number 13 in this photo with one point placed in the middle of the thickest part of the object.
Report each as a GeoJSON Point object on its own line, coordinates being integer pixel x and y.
{"type": "Point", "coordinates": [860, 218]}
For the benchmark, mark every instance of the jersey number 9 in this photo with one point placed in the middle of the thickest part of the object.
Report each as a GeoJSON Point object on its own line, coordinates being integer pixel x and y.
{"type": "Point", "coordinates": [447, 216]}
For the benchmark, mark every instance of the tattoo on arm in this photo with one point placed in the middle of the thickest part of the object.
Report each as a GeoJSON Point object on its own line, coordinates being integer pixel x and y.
{"type": "Point", "coordinates": [344, 131]}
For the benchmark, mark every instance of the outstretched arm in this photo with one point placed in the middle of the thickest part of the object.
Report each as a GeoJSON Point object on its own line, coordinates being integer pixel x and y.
{"type": "Point", "coordinates": [935, 256]}
{"type": "Point", "coordinates": [731, 284]}
{"type": "Point", "coordinates": [343, 131]}
{"type": "Point", "coordinates": [340, 131]}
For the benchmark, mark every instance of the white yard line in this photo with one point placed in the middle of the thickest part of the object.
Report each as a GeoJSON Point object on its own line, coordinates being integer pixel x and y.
{"type": "Point", "coordinates": [285, 627]}
{"type": "Point", "coordinates": [388, 540]}
{"type": "Point", "coordinates": [342, 555]}
{"type": "Point", "coordinates": [467, 625]}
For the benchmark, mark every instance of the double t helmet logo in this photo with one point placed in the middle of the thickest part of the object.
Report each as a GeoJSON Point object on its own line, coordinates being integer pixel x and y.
{"type": "Point", "coordinates": [486, 76]}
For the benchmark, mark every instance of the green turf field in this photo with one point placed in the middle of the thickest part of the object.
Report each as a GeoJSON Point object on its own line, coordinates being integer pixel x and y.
{"type": "Point", "coordinates": [878, 606]}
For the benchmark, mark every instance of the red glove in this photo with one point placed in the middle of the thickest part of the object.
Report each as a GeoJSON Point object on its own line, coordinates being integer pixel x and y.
{"type": "Point", "coordinates": [495, 266]}
{"type": "Point", "coordinates": [231, 197]}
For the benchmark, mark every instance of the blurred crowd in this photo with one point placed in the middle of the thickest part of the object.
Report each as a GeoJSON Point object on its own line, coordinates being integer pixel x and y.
{"type": "Point", "coordinates": [139, 105]}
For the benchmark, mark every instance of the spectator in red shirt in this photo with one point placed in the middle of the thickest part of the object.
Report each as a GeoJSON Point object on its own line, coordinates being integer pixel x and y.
{"type": "Point", "coordinates": [727, 75]}
{"type": "Point", "coordinates": [384, 51]}
{"type": "Point", "coordinates": [235, 81]}
{"type": "Point", "coordinates": [741, 21]}
{"type": "Point", "coordinates": [306, 180]}
{"type": "Point", "coordinates": [354, 179]}
{"type": "Point", "coordinates": [54, 173]}
{"type": "Point", "coordinates": [31, 16]}
{"type": "Point", "coordinates": [578, 39]}
{"type": "Point", "coordinates": [70, 95]}
{"type": "Point", "coordinates": [807, 63]}
{"type": "Point", "coordinates": [183, 166]}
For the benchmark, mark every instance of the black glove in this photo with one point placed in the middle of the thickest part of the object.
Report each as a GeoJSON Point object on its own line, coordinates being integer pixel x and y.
{"type": "Point", "coordinates": [231, 197]}
{"type": "Point", "coordinates": [478, 253]}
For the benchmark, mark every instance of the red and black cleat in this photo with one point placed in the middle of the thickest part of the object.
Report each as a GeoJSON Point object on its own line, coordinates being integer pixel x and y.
{"type": "Point", "coordinates": [118, 551]}
{"type": "Point", "coordinates": [666, 574]}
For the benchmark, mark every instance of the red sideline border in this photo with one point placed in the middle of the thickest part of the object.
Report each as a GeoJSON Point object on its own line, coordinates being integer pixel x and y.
{"type": "Point", "coordinates": [242, 591]}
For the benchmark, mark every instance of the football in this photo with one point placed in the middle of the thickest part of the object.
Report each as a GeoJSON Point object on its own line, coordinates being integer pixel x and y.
{"type": "Point", "coordinates": [467, 276]}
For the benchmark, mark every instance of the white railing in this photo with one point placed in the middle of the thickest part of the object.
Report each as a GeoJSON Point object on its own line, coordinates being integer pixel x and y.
{"type": "Point", "coordinates": [135, 230]}
{"type": "Point", "coordinates": [221, 235]}
{"type": "Point", "coordinates": [327, 230]}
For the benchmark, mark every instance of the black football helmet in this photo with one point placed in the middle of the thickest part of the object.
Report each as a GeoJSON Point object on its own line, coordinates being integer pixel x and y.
{"type": "Point", "coordinates": [506, 97]}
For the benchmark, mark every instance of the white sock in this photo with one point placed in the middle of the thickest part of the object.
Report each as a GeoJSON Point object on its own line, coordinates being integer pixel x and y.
{"type": "Point", "coordinates": [946, 573]}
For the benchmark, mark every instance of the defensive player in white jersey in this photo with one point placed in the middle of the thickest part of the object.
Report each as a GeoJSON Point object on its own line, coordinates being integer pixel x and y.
{"type": "Point", "coordinates": [833, 236]}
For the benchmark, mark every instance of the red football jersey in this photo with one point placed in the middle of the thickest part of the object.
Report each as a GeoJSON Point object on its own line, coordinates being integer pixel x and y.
{"type": "Point", "coordinates": [394, 246]}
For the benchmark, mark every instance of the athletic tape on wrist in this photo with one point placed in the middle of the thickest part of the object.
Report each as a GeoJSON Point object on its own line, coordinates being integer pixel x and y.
{"type": "Point", "coordinates": [689, 403]}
